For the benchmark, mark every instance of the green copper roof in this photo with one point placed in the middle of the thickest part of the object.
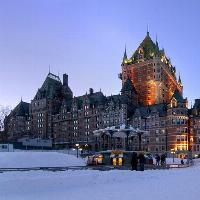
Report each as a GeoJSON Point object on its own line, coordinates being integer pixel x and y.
{"type": "Point", "coordinates": [149, 48]}
{"type": "Point", "coordinates": [146, 50]}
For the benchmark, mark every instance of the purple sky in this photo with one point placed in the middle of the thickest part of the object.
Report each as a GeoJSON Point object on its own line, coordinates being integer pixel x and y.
{"type": "Point", "coordinates": [86, 39]}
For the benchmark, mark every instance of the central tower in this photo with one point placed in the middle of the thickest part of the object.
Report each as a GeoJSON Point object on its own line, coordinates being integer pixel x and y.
{"type": "Point", "coordinates": [151, 73]}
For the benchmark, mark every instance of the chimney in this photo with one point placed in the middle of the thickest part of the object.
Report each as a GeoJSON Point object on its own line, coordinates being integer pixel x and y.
{"type": "Point", "coordinates": [91, 91]}
{"type": "Point", "coordinates": [65, 79]}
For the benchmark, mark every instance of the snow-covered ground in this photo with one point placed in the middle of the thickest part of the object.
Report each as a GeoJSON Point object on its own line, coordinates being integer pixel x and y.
{"type": "Point", "coordinates": [38, 159]}
{"type": "Point", "coordinates": [101, 185]}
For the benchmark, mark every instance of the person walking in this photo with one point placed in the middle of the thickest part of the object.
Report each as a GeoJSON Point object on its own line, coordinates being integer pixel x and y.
{"type": "Point", "coordinates": [157, 159]}
{"type": "Point", "coordinates": [182, 162]}
{"type": "Point", "coordinates": [134, 161]}
{"type": "Point", "coordinates": [141, 161]}
{"type": "Point", "coordinates": [163, 159]}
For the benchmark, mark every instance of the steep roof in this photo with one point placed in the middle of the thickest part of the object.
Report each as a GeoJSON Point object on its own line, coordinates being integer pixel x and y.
{"type": "Point", "coordinates": [177, 95]}
{"type": "Point", "coordinates": [50, 88]}
{"type": "Point", "coordinates": [146, 50]}
{"type": "Point", "coordinates": [149, 47]}
{"type": "Point", "coordinates": [117, 99]}
{"type": "Point", "coordinates": [147, 110]}
{"type": "Point", "coordinates": [95, 98]}
{"type": "Point", "coordinates": [197, 103]}
{"type": "Point", "coordinates": [128, 86]}
{"type": "Point", "coordinates": [22, 109]}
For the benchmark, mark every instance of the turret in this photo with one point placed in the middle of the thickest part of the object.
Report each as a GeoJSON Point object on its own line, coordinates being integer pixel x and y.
{"type": "Point", "coordinates": [65, 79]}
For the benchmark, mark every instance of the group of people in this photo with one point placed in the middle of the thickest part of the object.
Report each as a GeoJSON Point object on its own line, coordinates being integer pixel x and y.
{"type": "Point", "coordinates": [160, 160]}
{"type": "Point", "coordinates": [139, 161]}
{"type": "Point", "coordinates": [135, 159]}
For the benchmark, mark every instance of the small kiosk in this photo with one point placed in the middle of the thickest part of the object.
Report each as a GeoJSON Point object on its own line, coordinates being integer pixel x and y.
{"type": "Point", "coordinates": [116, 158]}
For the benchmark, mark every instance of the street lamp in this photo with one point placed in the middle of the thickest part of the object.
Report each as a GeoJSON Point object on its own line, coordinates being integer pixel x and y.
{"type": "Point", "coordinates": [86, 147]}
{"type": "Point", "coordinates": [77, 146]}
{"type": "Point", "coordinates": [173, 153]}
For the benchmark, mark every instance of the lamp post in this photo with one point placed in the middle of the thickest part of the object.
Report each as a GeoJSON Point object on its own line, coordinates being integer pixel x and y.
{"type": "Point", "coordinates": [77, 146]}
{"type": "Point", "coordinates": [111, 132]}
{"type": "Point", "coordinates": [86, 147]}
{"type": "Point", "coordinates": [173, 153]}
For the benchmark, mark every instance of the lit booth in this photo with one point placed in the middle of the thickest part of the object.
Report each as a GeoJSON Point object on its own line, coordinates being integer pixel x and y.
{"type": "Point", "coordinates": [116, 158]}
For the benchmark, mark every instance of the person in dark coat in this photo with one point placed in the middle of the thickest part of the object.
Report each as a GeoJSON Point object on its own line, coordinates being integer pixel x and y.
{"type": "Point", "coordinates": [182, 162]}
{"type": "Point", "coordinates": [134, 161]}
{"type": "Point", "coordinates": [163, 159]}
{"type": "Point", "coordinates": [141, 161]}
{"type": "Point", "coordinates": [157, 159]}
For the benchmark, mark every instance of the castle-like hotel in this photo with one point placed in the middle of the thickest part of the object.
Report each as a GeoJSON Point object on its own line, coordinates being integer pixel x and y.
{"type": "Point", "coordinates": [151, 99]}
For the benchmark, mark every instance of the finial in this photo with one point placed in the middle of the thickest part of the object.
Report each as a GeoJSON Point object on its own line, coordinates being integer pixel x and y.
{"type": "Point", "coordinates": [147, 30]}
{"type": "Point", "coordinates": [156, 39]}
{"type": "Point", "coordinates": [21, 99]}
{"type": "Point", "coordinates": [179, 78]}
{"type": "Point", "coordinates": [49, 69]}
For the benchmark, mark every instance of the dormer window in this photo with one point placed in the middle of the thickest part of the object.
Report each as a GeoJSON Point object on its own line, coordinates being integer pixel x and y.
{"type": "Point", "coordinates": [173, 103]}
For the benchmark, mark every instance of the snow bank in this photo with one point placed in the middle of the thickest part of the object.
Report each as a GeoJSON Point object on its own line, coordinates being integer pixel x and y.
{"type": "Point", "coordinates": [38, 159]}
{"type": "Point", "coordinates": [172, 161]}
{"type": "Point", "coordinates": [97, 185]}
{"type": "Point", "coordinates": [91, 184]}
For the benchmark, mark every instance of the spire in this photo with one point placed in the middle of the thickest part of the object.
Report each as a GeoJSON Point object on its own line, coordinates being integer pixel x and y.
{"type": "Point", "coordinates": [147, 30]}
{"type": "Point", "coordinates": [49, 69]}
{"type": "Point", "coordinates": [179, 79]}
{"type": "Point", "coordinates": [157, 41]}
{"type": "Point", "coordinates": [125, 54]}
{"type": "Point", "coordinates": [157, 47]}
{"type": "Point", "coordinates": [21, 99]}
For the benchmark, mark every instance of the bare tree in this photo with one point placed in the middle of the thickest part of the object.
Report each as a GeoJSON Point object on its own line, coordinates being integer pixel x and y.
{"type": "Point", "coordinates": [4, 111]}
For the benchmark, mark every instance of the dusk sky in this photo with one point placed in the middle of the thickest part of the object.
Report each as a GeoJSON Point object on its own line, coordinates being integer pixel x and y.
{"type": "Point", "coordinates": [86, 40]}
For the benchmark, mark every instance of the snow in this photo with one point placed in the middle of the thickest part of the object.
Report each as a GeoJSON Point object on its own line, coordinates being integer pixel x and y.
{"type": "Point", "coordinates": [38, 159]}
{"type": "Point", "coordinates": [101, 185]}
{"type": "Point", "coordinates": [170, 161]}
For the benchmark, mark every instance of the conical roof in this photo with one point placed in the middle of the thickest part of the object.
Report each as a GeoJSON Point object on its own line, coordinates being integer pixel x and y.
{"type": "Point", "coordinates": [177, 95]}
{"type": "Point", "coordinates": [125, 55]}
{"type": "Point", "coordinates": [128, 86]}
{"type": "Point", "coordinates": [148, 46]}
